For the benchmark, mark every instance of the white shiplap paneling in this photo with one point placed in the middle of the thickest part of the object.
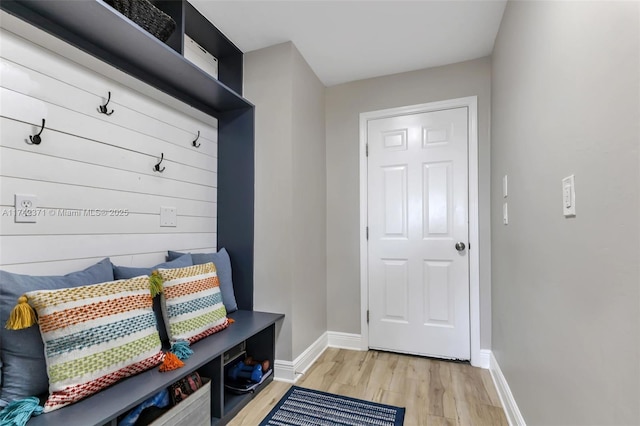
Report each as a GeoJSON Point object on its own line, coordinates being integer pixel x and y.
{"type": "Point", "coordinates": [68, 97]}
{"type": "Point", "coordinates": [71, 147]}
{"type": "Point", "coordinates": [16, 49]}
{"type": "Point", "coordinates": [89, 161]}
{"type": "Point", "coordinates": [54, 195]}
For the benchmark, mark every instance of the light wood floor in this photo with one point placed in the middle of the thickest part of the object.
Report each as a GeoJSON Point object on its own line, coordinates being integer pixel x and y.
{"type": "Point", "coordinates": [434, 392]}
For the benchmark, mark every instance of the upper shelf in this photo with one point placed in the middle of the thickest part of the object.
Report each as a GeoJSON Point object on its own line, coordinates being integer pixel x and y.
{"type": "Point", "coordinates": [96, 28]}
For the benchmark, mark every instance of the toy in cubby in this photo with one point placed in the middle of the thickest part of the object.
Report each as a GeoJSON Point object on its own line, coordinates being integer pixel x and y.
{"type": "Point", "coordinates": [248, 372]}
{"type": "Point", "coordinates": [248, 369]}
{"type": "Point", "coordinates": [250, 361]}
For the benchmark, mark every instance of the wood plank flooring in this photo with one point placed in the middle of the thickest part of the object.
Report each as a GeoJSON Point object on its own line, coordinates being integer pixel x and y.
{"type": "Point", "coordinates": [434, 392]}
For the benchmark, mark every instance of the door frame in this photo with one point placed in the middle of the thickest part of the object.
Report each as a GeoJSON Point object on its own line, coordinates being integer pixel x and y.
{"type": "Point", "coordinates": [471, 102]}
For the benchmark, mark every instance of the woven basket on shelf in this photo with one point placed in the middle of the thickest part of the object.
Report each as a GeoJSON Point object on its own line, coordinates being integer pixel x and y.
{"type": "Point", "coordinates": [145, 14]}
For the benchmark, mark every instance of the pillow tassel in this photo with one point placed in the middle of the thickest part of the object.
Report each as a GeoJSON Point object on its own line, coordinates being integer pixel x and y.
{"type": "Point", "coordinates": [171, 362]}
{"type": "Point", "coordinates": [18, 412]}
{"type": "Point", "coordinates": [22, 315]}
{"type": "Point", "coordinates": [181, 349]}
{"type": "Point", "coordinates": [155, 283]}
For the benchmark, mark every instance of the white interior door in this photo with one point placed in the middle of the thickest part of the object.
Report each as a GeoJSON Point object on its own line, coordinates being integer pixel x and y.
{"type": "Point", "coordinates": [417, 213]}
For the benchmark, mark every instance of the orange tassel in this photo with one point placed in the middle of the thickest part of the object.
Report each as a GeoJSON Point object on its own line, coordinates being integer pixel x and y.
{"type": "Point", "coordinates": [231, 320]}
{"type": "Point", "coordinates": [171, 362]}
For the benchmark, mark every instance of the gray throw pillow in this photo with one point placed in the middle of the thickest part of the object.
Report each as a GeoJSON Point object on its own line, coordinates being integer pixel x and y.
{"type": "Point", "coordinates": [24, 371]}
{"type": "Point", "coordinates": [223, 267]}
{"type": "Point", "coordinates": [126, 272]}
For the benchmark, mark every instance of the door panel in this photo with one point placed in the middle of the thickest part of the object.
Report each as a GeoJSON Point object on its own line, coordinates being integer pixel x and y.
{"type": "Point", "coordinates": [438, 300]}
{"type": "Point", "coordinates": [418, 210]}
{"type": "Point", "coordinates": [437, 196]}
{"type": "Point", "coordinates": [396, 285]}
{"type": "Point", "coordinates": [395, 201]}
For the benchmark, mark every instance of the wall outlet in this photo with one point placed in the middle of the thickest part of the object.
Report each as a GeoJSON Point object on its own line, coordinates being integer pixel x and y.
{"type": "Point", "coordinates": [168, 216]}
{"type": "Point", "coordinates": [26, 208]}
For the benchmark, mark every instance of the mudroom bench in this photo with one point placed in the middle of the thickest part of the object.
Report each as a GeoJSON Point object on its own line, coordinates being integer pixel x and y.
{"type": "Point", "coordinates": [256, 329]}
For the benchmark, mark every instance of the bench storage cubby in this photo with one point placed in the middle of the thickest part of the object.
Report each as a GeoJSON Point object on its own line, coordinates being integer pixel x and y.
{"type": "Point", "coordinates": [103, 408]}
{"type": "Point", "coordinates": [193, 411]}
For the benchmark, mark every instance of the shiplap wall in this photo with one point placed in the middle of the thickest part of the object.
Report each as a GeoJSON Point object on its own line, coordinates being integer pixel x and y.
{"type": "Point", "coordinates": [89, 161]}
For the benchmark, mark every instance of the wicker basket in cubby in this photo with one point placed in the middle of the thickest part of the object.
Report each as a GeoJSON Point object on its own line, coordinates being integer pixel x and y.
{"type": "Point", "coordinates": [145, 14]}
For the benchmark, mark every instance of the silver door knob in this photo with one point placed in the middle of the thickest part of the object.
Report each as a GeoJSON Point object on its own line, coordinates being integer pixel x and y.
{"type": "Point", "coordinates": [460, 246]}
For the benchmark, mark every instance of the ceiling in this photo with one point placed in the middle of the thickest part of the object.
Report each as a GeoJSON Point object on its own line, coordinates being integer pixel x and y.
{"type": "Point", "coordinates": [352, 40]}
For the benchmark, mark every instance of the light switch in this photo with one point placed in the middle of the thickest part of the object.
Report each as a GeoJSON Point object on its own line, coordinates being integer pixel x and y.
{"type": "Point", "coordinates": [505, 186]}
{"type": "Point", "coordinates": [569, 196]}
{"type": "Point", "coordinates": [505, 214]}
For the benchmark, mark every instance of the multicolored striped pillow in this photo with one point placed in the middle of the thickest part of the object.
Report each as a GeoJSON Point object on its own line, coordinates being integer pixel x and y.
{"type": "Point", "coordinates": [95, 335]}
{"type": "Point", "coordinates": [193, 302]}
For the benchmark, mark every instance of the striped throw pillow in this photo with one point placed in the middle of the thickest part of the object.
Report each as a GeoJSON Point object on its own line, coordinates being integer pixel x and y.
{"type": "Point", "coordinates": [95, 335]}
{"type": "Point", "coordinates": [194, 307]}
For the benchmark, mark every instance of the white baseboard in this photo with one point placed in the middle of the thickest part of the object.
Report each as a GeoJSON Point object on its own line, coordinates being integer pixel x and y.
{"type": "Point", "coordinates": [485, 359]}
{"type": "Point", "coordinates": [511, 410]}
{"type": "Point", "coordinates": [284, 371]}
{"type": "Point", "coordinates": [309, 356]}
{"type": "Point", "coordinates": [345, 340]}
{"type": "Point", "coordinates": [288, 371]}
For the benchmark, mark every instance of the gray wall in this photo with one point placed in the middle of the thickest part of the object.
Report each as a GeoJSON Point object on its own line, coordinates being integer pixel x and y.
{"type": "Point", "coordinates": [309, 207]}
{"type": "Point", "coordinates": [566, 314]}
{"type": "Point", "coordinates": [290, 194]}
{"type": "Point", "coordinates": [344, 103]}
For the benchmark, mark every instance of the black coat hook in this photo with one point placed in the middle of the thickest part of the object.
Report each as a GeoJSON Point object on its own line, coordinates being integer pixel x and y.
{"type": "Point", "coordinates": [36, 139]}
{"type": "Point", "coordinates": [196, 140]}
{"type": "Point", "coordinates": [157, 168]}
{"type": "Point", "coordinates": [103, 108]}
